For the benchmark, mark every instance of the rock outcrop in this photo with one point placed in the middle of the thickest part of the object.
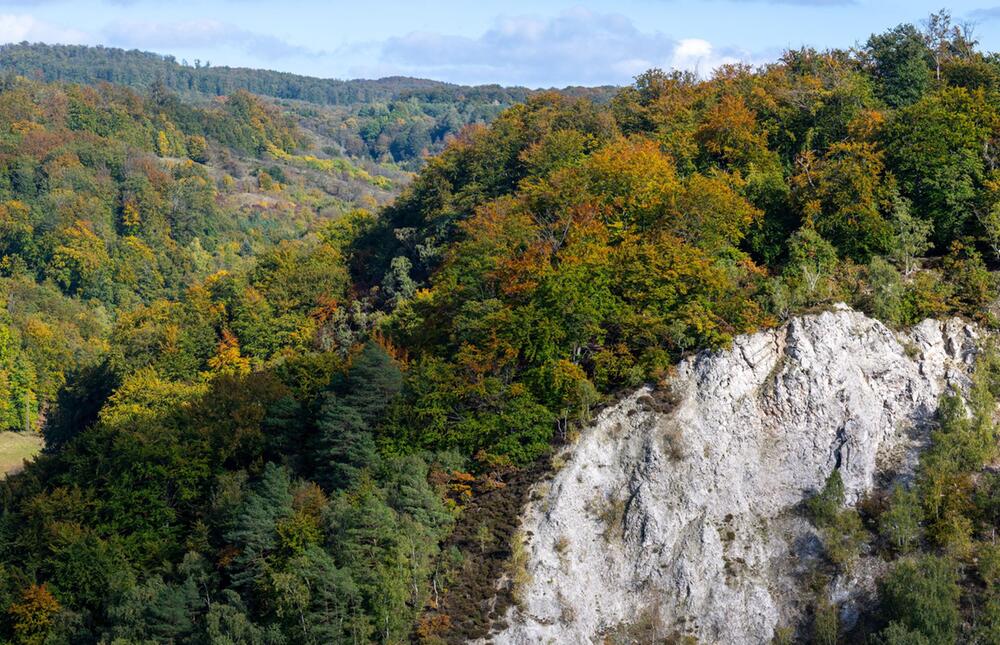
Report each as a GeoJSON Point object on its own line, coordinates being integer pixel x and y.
{"type": "Point", "coordinates": [675, 513]}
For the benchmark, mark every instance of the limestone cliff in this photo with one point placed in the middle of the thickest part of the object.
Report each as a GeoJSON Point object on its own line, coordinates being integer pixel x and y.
{"type": "Point", "coordinates": [674, 514]}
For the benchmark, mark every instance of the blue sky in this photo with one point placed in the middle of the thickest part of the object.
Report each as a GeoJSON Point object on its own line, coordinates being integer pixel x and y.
{"type": "Point", "coordinates": [535, 43]}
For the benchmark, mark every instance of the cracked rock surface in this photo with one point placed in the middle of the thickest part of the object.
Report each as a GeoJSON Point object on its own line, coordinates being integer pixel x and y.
{"type": "Point", "coordinates": [675, 512]}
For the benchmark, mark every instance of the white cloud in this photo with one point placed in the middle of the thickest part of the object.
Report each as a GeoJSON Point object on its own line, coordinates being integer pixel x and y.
{"type": "Point", "coordinates": [15, 28]}
{"type": "Point", "coordinates": [574, 47]}
{"type": "Point", "coordinates": [199, 33]}
{"type": "Point", "coordinates": [699, 56]}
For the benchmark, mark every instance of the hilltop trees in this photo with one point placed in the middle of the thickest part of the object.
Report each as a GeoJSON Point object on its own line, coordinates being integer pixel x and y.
{"type": "Point", "coordinates": [397, 120]}
{"type": "Point", "coordinates": [935, 148]}
{"type": "Point", "coordinates": [90, 211]}
{"type": "Point", "coordinates": [899, 62]}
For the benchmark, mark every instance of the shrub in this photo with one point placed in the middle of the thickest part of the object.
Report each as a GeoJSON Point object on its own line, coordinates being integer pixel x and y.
{"type": "Point", "coordinates": [900, 524]}
{"type": "Point", "coordinates": [844, 537]}
{"type": "Point", "coordinates": [988, 555]}
{"type": "Point", "coordinates": [920, 599]}
{"type": "Point", "coordinates": [825, 505]}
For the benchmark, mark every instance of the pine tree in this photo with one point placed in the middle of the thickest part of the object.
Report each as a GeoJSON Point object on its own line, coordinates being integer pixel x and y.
{"type": "Point", "coordinates": [347, 421]}
{"type": "Point", "coordinates": [253, 531]}
{"type": "Point", "coordinates": [346, 446]}
{"type": "Point", "coordinates": [373, 382]}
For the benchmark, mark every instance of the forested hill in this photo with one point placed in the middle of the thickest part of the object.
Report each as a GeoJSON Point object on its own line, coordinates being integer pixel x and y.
{"type": "Point", "coordinates": [290, 420]}
{"type": "Point", "coordinates": [395, 120]}
{"type": "Point", "coordinates": [89, 65]}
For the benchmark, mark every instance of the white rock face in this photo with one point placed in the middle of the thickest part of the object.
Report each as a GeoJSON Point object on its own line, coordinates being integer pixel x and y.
{"type": "Point", "coordinates": [673, 515]}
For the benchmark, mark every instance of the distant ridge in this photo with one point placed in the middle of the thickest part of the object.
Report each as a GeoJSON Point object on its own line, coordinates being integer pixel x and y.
{"type": "Point", "coordinates": [138, 69]}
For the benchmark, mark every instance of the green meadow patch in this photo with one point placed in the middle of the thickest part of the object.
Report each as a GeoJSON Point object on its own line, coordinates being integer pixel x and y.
{"type": "Point", "coordinates": [15, 447]}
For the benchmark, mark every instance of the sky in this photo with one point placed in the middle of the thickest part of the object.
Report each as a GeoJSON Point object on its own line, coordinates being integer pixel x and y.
{"type": "Point", "coordinates": [539, 43]}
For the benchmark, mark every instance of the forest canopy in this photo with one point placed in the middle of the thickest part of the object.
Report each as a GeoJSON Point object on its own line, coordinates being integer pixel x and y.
{"type": "Point", "coordinates": [277, 411]}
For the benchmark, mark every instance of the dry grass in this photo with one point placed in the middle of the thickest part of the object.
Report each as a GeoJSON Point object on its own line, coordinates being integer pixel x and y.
{"type": "Point", "coordinates": [15, 447]}
{"type": "Point", "coordinates": [610, 511]}
{"type": "Point", "coordinates": [673, 441]}
{"type": "Point", "coordinates": [518, 568]}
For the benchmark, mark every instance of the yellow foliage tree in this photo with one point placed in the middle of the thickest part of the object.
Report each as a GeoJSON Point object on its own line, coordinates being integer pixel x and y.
{"type": "Point", "coordinates": [162, 144]}
{"type": "Point", "coordinates": [130, 215]}
{"type": "Point", "coordinates": [228, 359]}
{"type": "Point", "coordinates": [33, 615]}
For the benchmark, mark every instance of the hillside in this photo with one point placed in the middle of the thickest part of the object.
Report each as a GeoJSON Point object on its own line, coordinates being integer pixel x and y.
{"type": "Point", "coordinates": [284, 404]}
{"type": "Point", "coordinates": [111, 201]}
{"type": "Point", "coordinates": [390, 119]}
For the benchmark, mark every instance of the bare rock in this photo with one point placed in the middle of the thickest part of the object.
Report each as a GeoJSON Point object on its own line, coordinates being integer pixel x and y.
{"type": "Point", "coordinates": [674, 514]}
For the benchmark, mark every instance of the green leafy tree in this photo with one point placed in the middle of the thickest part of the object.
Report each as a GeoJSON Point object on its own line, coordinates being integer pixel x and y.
{"type": "Point", "coordinates": [346, 447]}
{"type": "Point", "coordinates": [156, 611]}
{"type": "Point", "coordinates": [989, 221]}
{"type": "Point", "coordinates": [920, 597]}
{"type": "Point", "coordinates": [911, 237]}
{"type": "Point", "coordinates": [811, 263]}
{"type": "Point", "coordinates": [843, 194]}
{"type": "Point", "coordinates": [227, 622]}
{"type": "Point", "coordinates": [253, 530]}
{"type": "Point", "coordinates": [319, 602]}
{"type": "Point", "coordinates": [900, 523]}
{"type": "Point", "coordinates": [19, 402]}
{"type": "Point", "coordinates": [899, 65]}
{"type": "Point", "coordinates": [935, 147]}
{"type": "Point", "coordinates": [349, 417]}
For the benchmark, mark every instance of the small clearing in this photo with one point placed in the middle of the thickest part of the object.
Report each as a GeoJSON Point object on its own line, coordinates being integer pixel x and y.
{"type": "Point", "coordinates": [15, 447]}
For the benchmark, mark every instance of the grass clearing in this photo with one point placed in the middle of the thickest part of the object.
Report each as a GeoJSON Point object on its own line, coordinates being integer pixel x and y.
{"type": "Point", "coordinates": [15, 447]}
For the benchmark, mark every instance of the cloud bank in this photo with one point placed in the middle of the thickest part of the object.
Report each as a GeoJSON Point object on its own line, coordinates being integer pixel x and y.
{"type": "Point", "coordinates": [573, 47]}
{"type": "Point", "coordinates": [189, 34]}
{"type": "Point", "coordinates": [15, 28]}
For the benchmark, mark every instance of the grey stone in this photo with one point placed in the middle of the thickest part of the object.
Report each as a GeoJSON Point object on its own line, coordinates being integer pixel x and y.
{"type": "Point", "coordinates": [675, 513]}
